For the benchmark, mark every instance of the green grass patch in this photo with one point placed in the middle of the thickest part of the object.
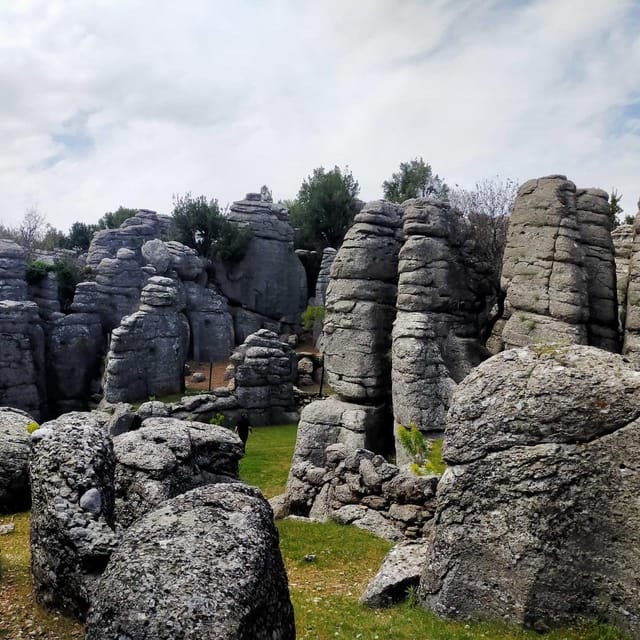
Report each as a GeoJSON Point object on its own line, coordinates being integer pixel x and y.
{"type": "Point", "coordinates": [434, 459]}
{"type": "Point", "coordinates": [268, 458]}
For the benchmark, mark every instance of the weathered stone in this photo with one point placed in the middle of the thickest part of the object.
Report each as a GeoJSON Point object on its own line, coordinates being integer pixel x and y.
{"type": "Point", "coordinates": [45, 294]}
{"type": "Point", "coordinates": [622, 237]}
{"type": "Point", "coordinates": [185, 261]}
{"type": "Point", "coordinates": [328, 256]}
{"type": "Point", "coordinates": [13, 271]}
{"type": "Point", "coordinates": [156, 253]}
{"type": "Point", "coordinates": [167, 457]}
{"type": "Point", "coordinates": [360, 306]}
{"type": "Point", "coordinates": [14, 460]}
{"type": "Point", "coordinates": [631, 338]}
{"type": "Point", "coordinates": [537, 514]}
{"type": "Point", "coordinates": [213, 553]}
{"type": "Point", "coordinates": [369, 520]}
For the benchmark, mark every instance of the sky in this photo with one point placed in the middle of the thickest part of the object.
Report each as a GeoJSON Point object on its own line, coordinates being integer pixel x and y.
{"type": "Point", "coordinates": [106, 103]}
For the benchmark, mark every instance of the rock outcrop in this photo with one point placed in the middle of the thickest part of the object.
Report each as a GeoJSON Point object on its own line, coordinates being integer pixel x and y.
{"type": "Point", "coordinates": [167, 457]}
{"type": "Point", "coordinates": [13, 271]}
{"type": "Point", "coordinates": [328, 256]}
{"type": "Point", "coordinates": [205, 565]}
{"type": "Point", "coordinates": [360, 306]}
{"type": "Point", "coordinates": [45, 294]}
{"type": "Point", "coordinates": [444, 298]}
{"type": "Point", "coordinates": [270, 279]}
{"type": "Point", "coordinates": [537, 515]}
{"type": "Point", "coordinates": [631, 338]}
{"type": "Point", "coordinates": [72, 524]}
{"type": "Point", "coordinates": [622, 237]}
{"type": "Point", "coordinates": [264, 373]}
{"type": "Point", "coordinates": [148, 350]}
{"type": "Point", "coordinates": [15, 447]}
{"type": "Point", "coordinates": [22, 354]}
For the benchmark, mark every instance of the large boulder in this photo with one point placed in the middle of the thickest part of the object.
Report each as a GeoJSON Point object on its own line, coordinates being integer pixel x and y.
{"type": "Point", "coordinates": [13, 271]}
{"type": "Point", "coordinates": [360, 306]}
{"type": "Point", "coordinates": [270, 279]}
{"type": "Point", "coordinates": [203, 566]}
{"type": "Point", "coordinates": [537, 515]}
{"type": "Point", "coordinates": [15, 447]}
{"type": "Point", "coordinates": [22, 354]}
{"type": "Point", "coordinates": [166, 457]}
{"type": "Point", "coordinates": [72, 524]}
{"type": "Point", "coordinates": [149, 348]}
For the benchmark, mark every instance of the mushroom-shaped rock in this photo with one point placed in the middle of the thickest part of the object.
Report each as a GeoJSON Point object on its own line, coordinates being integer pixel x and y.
{"type": "Point", "coordinates": [537, 515]}
{"type": "Point", "coordinates": [204, 565]}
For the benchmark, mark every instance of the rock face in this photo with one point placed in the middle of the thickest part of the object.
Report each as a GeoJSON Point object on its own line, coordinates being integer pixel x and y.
{"type": "Point", "coordinates": [558, 267]}
{"type": "Point", "coordinates": [631, 343]}
{"type": "Point", "coordinates": [45, 294]}
{"type": "Point", "coordinates": [22, 354]}
{"type": "Point", "coordinates": [13, 271]}
{"type": "Point", "coordinates": [167, 457]}
{"type": "Point", "coordinates": [14, 460]}
{"type": "Point", "coordinates": [213, 553]}
{"type": "Point", "coordinates": [328, 256]}
{"type": "Point", "coordinates": [360, 306]}
{"type": "Point", "coordinates": [622, 237]}
{"type": "Point", "coordinates": [212, 337]}
{"type": "Point", "coordinates": [444, 297]}
{"type": "Point", "coordinates": [537, 515]}
{"type": "Point", "coordinates": [75, 347]}
{"type": "Point", "coordinates": [270, 280]}
{"type": "Point", "coordinates": [72, 525]}
{"type": "Point", "coordinates": [264, 373]}
{"type": "Point", "coordinates": [148, 350]}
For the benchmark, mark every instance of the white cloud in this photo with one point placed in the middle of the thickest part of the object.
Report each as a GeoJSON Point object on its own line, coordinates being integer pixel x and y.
{"type": "Point", "coordinates": [219, 98]}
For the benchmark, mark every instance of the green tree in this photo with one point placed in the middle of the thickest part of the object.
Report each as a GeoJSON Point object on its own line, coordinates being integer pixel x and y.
{"type": "Point", "coordinates": [113, 219]}
{"type": "Point", "coordinates": [80, 235]}
{"type": "Point", "coordinates": [199, 224]}
{"type": "Point", "coordinates": [614, 207]}
{"type": "Point", "coordinates": [414, 180]}
{"type": "Point", "coordinates": [325, 207]}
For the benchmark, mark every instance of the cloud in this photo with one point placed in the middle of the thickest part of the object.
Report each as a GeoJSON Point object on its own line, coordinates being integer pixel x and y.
{"type": "Point", "coordinates": [127, 102]}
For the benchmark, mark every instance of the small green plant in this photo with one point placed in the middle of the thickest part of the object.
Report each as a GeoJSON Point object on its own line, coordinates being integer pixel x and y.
{"type": "Point", "coordinates": [417, 447]}
{"type": "Point", "coordinates": [32, 426]}
{"type": "Point", "coordinates": [217, 419]}
{"type": "Point", "coordinates": [36, 271]}
{"type": "Point", "coordinates": [311, 315]}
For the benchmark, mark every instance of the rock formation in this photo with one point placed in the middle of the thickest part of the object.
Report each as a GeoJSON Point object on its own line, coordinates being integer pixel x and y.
{"type": "Point", "coordinates": [537, 515]}
{"type": "Point", "coordinates": [22, 354]}
{"type": "Point", "coordinates": [14, 460]}
{"type": "Point", "coordinates": [270, 280]}
{"type": "Point", "coordinates": [622, 237]}
{"type": "Point", "coordinates": [328, 256]}
{"type": "Point", "coordinates": [166, 457]}
{"type": "Point", "coordinates": [557, 268]}
{"type": "Point", "coordinates": [444, 296]}
{"type": "Point", "coordinates": [205, 565]}
{"type": "Point", "coordinates": [360, 306]}
{"type": "Point", "coordinates": [45, 294]}
{"type": "Point", "coordinates": [264, 372]}
{"type": "Point", "coordinates": [631, 338]}
{"type": "Point", "coordinates": [13, 269]}
{"type": "Point", "coordinates": [148, 350]}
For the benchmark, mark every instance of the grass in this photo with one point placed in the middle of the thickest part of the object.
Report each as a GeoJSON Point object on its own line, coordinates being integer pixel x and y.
{"type": "Point", "coordinates": [434, 459]}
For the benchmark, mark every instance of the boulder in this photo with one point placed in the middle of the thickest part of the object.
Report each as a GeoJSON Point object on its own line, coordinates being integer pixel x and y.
{"type": "Point", "coordinates": [15, 447]}
{"type": "Point", "coordinates": [155, 253]}
{"type": "Point", "coordinates": [185, 261]}
{"type": "Point", "coordinates": [13, 271]}
{"type": "Point", "coordinates": [537, 514]}
{"type": "Point", "coordinates": [205, 565]}
{"type": "Point", "coordinates": [360, 306]}
{"type": "Point", "coordinates": [72, 524]}
{"type": "Point", "coordinates": [166, 457]}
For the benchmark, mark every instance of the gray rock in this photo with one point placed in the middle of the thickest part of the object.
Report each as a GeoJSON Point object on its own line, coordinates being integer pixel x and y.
{"type": "Point", "coordinates": [400, 571]}
{"type": "Point", "coordinates": [631, 341]}
{"type": "Point", "coordinates": [166, 457]}
{"type": "Point", "coordinates": [22, 354]}
{"type": "Point", "coordinates": [148, 350]}
{"type": "Point", "coordinates": [185, 261]}
{"type": "Point", "coordinates": [213, 553]}
{"type": "Point", "coordinates": [13, 271]}
{"type": "Point", "coordinates": [369, 520]}
{"type": "Point", "coordinates": [156, 253]}
{"type": "Point", "coordinates": [270, 280]}
{"type": "Point", "coordinates": [328, 256]}
{"type": "Point", "coordinates": [622, 237]}
{"type": "Point", "coordinates": [537, 514]}
{"type": "Point", "coordinates": [14, 460]}
{"type": "Point", "coordinates": [360, 306]}
{"type": "Point", "coordinates": [45, 294]}
{"type": "Point", "coordinates": [71, 539]}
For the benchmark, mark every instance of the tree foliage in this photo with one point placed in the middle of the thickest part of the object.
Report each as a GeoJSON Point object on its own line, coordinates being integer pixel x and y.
{"type": "Point", "coordinates": [113, 219]}
{"type": "Point", "coordinates": [79, 236]}
{"type": "Point", "coordinates": [414, 180]}
{"type": "Point", "coordinates": [199, 224]}
{"type": "Point", "coordinates": [325, 207]}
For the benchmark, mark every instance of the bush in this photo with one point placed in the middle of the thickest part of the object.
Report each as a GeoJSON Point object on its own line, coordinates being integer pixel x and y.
{"type": "Point", "coordinates": [311, 315]}
{"type": "Point", "coordinates": [217, 419]}
{"type": "Point", "coordinates": [425, 454]}
{"type": "Point", "coordinates": [37, 271]}
{"type": "Point", "coordinates": [32, 426]}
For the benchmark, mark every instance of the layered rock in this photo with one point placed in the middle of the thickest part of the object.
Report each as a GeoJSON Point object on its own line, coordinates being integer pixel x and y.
{"type": "Point", "coordinates": [622, 237]}
{"type": "Point", "coordinates": [360, 306]}
{"type": "Point", "coordinates": [444, 296]}
{"type": "Point", "coordinates": [537, 515]}
{"type": "Point", "coordinates": [76, 344]}
{"type": "Point", "coordinates": [45, 294]}
{"type": "Point", "coordinates": [558, 269]}
{"type": "Point", "coordinates": [15, 447]}
{"type": "Point", "coordinates": [13, 271]}
{"type": "Point", "coordinates": [212, 336]}
{"type": "Point", "coordinates": [264, 373]}
{"type": "Point", "coordinates": [22, 354]}
{"type": "Point", "coordinates": [212, 553]}
{"type": "Point", "coordinates": [72, 524]}
{"type": "Point", "coordinates": [328, 256]}
{"type": "Point", "coordinates": [631, 338]}
{"type": "Point", "coordinates": [166, 457]}
{"type": "Point", "coordinates": [131, 234]}
{"type": "Point", "coordinates": [185, 261]}
{"type": "Point", "coordinates": [270, 279]}
{"type": "Point", "coordinates": [148, 350]}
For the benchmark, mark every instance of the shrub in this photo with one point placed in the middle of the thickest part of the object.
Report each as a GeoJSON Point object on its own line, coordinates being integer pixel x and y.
{"type": "Point", "coordinates": [425, 454]}
{"type": "Point", "coordinates": [37, 270]}
{"type": "Point", "coordinates": [218, 419]}
{"type": "Point", "coordinates": [32, 426]}
{"type": "Point", "coordinates": [311, 315]}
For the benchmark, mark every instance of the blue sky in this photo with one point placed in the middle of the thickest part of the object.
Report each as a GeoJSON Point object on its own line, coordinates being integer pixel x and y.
{"type": "Point", "coordinates": [126, 102]}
